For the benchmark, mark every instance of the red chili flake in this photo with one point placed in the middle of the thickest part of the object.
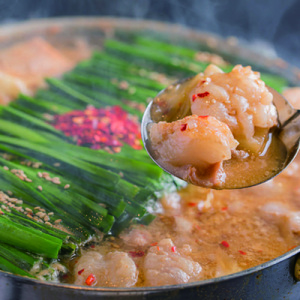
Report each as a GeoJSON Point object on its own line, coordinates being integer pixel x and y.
{"type": "Point", "coordinates": [203, 117]}
{"type": "Point", "coordinates": [202, 95]}
{"type": "Point", "coordinates": [224, 208]}
{"type": "Point", "coordinates": [197, 226]}
{"type": "Point", "coordinates": [99, 128]}
{"type": "Point", "coordinates": [157, 248]}
{"type": "Point", "coordinates": [192, 204]}
{"type": "Point", "coordinates": [90, 280]}
{"type": "Point", "coordinates": [225, 244]}
{"type": "Point", "coordinates": [291, 248]}
{"type": "Point", "coordinates": [65, 276]}
{"type": "Point", "coordinates": [154, 244]}
{"type": "Point", "coordinates": [183, 127]}
{"type": "Point", "coordinates": [138, 253]}
{"type": "Point", "coordinates": [173, 249]}
{"type": "Point", "coordinates": [80, 271]}
{"type": "Point", "coordinates": [194, 97]}
{"type": "Point", "coordinates": [242, 252]}
{"type": "Point", "coordinates": [93, 246]}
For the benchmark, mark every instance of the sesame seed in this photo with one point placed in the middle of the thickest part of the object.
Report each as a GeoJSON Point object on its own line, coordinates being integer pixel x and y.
{"type": "Point", "coordinates": [40, 174]}
{"type": "Point", "coordinates": [57, 221]}
{"type": "Point", "coordinates": [37, 208]}
{"type": "Point", "coordinates": [10, 193]}
{"type": "Point", "coordinates": [50, 213]}
{"type": "Point", "coordinates": [40, 214]}
{"type": "Point", "coordinates": [49, 224]}
{"type": "Point", "coordinates": [66, 186]}
{"type": "Point", "coordinates": [56, 164]}
{"type": "Point", "coordinates": [28, 209]}
{"type": "Point", "coordinates": [40, 188]}
{"type": "Point", "coordinates": [5, 168]}
{"type": "Point", "coordinates": [28, 180]}
{"type": "Point", "coordinates": [46, 219]}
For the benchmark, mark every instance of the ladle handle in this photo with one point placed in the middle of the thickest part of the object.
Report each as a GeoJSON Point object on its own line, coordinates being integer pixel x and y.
{"type": "Point", "coordinates": [290, 132]}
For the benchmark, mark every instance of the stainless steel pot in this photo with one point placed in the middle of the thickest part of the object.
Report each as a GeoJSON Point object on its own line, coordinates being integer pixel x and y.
{"type": "Point", "coordinates": [276, 279]}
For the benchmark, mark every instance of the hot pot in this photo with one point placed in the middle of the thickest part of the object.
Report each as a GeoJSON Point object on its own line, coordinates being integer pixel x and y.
{"type": "Point", "coordinates": [276, 279]}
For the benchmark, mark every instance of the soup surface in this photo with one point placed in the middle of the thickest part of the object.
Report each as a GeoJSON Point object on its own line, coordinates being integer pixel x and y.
{"type": "Point", "coordinates": [201, 234]}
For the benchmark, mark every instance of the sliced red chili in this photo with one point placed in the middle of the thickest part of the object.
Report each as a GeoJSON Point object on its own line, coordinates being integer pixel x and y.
{"type": "Point", "coordinates": [224, 208]}
{"type": "Point", "coordinates": [194, 97]}
{"type": "Point", "coordinates": [173, 249]}
{"type": "Point", "coordinates": [192, 204]}
{"type": "Point", "coordinates": [154, 244]}
{"type": "Point", "coordinates": [91, 280]}
{"type": "Point", "coordinates": [242, 252]}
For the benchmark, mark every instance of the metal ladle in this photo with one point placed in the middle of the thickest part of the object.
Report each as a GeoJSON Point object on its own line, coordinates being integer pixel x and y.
{"type": "Point", "coordinates": [288, 117]}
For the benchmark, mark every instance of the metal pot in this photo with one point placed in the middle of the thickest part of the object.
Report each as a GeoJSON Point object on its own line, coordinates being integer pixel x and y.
{"type": "Point", "coordinates": [276, 279]}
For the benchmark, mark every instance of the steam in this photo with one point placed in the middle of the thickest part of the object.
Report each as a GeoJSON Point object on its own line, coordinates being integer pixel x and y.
{"type": "Point", "coordinates": [268, 20]}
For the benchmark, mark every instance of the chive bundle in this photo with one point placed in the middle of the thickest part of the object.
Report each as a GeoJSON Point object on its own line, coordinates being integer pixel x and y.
{"type": "Point", "coordinates": [47, 180]}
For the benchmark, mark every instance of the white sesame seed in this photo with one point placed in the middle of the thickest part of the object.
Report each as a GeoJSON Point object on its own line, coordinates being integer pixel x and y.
{"type": "Point", "coordinates": [5, 168]}
{"type": "Point", "coordinates": [40, 214]}
{"type": "Point", "coordinates": [50, 213]}
{"type": "Point", "coordinates": [40, 174]}
{"type": "Point", "coordinates": [49, 224]}
{"type": "Point", "coordinates": [40, 188]}
{"type": "Point", "coordinates": [66, 186]}
{"type": "Point", "coordinates": [57, 221]}
{"type": "Point", "coordinates": [46, 218]}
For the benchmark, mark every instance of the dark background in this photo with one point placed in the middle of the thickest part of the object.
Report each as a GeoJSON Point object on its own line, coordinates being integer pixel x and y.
{"type": "Point", "coordinates": [274, 21]}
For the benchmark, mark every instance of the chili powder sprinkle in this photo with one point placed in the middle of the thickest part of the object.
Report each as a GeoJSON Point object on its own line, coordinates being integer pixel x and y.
{"type": "Point", "coordinates": [100, 128]}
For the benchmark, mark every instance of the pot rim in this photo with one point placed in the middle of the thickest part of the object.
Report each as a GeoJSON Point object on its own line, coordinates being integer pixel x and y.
{"type": "Point", "coordinates": [11, 30]}
{"type": "Point", "coordinates": [131, 290]}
